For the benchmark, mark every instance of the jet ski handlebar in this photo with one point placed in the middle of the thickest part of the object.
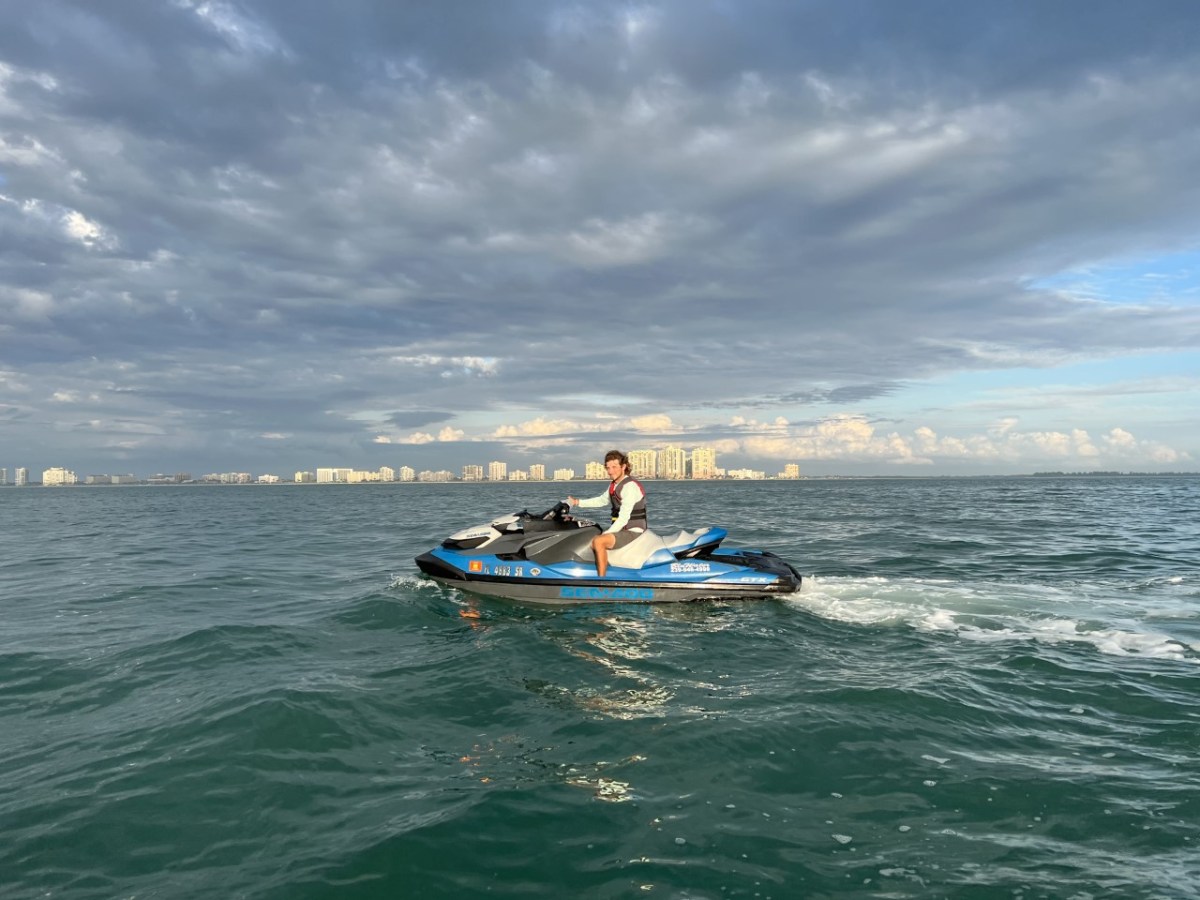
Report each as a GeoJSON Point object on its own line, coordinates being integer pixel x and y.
{"type": "Point", "coordinates": [558, 512]}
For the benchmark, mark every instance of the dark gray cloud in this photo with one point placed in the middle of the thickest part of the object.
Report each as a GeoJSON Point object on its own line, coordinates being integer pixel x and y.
{"type": "Point", "coordinates": [239, 234]}
{"type": "Point", "coordinates": [418, 418]}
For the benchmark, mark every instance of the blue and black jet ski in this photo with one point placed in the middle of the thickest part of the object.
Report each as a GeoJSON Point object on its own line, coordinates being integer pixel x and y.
{"type": "Point", "coordinates": [547, 558]}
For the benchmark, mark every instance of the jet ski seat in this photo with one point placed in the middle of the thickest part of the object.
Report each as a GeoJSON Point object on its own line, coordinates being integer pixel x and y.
{"type": "Point", "coordinates": [651, 549]}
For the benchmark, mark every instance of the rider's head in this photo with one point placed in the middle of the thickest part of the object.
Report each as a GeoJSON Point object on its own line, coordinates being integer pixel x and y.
{"type": "Point", "coordinates": [619, 457]}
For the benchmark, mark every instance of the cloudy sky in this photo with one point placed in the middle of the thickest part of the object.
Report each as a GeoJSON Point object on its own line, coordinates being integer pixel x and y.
{"type": "Point", "coordinates": [866, 237]}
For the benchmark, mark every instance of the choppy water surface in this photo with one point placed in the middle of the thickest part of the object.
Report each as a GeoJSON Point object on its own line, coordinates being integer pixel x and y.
{"type": "Point", "coordinates": [985, 688]}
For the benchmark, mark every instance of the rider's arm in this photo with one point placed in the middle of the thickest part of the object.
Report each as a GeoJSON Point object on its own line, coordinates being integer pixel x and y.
{"type": "Point", "coordinates": [592, 502]}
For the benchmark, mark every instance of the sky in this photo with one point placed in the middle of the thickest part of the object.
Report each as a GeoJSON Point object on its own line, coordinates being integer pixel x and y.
{"type": "Point", "coordinates": [872, 238]}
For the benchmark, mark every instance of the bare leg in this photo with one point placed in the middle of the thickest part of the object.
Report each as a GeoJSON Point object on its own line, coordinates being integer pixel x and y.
{"type": "Point", "coordinates": [600, 546]}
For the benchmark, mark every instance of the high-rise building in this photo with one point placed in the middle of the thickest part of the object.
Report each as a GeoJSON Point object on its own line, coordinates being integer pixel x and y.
{"type": "Point", "coordinates": [407, 473]}
{"type": "Point", "coordinates": [497, 471]}
{"type": "Point", "coordinates": [643, 464]}
{"type": "Point", "coordinates": [595, 471]}
{"type": "Point", "coordinates": [704, 462]}
{"type": "Point", "coordinates": [3, 477]}
{"type": "Point", "coordinates": [58, 476]}
{"type": "Point", "coordinates": [791, 470]}
{"type": "Point", "coordinates": [472, 473]}
{"type": "Point", "coordinates": [537, 472]}
{"type": "Point", "coordinates": [439, 476]}
{"type": "Point", "coordinates": [564, 474]}
{"type": "Point", "coordinates": [22, 477]}
{"type": "Point", "coordinates": [672, 462]}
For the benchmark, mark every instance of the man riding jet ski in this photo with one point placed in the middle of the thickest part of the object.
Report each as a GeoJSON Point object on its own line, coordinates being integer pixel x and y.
{"type": "Point", "coordinates": [548, 558]}
{"type": "Point", "coordinates": [627, 498]}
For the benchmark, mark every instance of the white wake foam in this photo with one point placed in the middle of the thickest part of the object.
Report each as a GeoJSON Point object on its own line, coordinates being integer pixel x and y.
{"type": "Point", "coordinates": [1008, 612]}
{"type": "Point", "coordinates": [413, 582]}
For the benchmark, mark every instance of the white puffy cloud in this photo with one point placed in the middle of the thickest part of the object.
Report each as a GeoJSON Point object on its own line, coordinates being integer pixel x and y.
{"type": "Point", "coordinates": [539, 427]}
{"type": "Point", "coordinates": [657, 423]}
{"type": "Point", "coordinates": [80, 228]}
{"type": "Point", "coordinates": [854, 439]}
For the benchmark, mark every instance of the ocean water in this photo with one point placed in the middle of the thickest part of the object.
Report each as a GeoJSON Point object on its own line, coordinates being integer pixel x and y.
{"type": "Point", "coordinates": [985, 688]}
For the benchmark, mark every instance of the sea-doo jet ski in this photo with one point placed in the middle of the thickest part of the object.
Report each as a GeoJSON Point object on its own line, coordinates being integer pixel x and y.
{"type": "Point", "coordinates": [547, 558]}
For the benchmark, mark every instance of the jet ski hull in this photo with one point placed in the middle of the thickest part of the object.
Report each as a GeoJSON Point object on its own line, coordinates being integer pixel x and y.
{"type": "Point", "coordinates": [722, 575]}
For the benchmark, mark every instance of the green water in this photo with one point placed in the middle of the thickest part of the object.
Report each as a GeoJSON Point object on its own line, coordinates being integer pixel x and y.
{"type": "Point", "coordinates": [985, 688]}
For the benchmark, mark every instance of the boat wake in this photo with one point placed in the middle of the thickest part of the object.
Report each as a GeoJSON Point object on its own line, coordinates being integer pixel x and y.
{"type": "Point", "coordinates": [1153, 621]}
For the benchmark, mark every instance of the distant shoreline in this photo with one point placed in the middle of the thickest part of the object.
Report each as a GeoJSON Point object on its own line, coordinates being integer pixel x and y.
{"type": "Point", "coordinates": [460, 482]}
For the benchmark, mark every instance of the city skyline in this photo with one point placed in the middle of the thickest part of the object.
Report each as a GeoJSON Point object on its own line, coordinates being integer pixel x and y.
{"type": "Point", "coordinates": [670, 463]}
{"type": "Point", "coordinates": [932, 239]}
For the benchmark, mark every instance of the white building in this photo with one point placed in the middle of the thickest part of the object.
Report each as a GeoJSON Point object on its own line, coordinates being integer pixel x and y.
{"type": "Point", "coordinates": [537, 472]}
{"type": "Point", "coordinates": [57, 477]}
{"type": "Point", "coordinates": [704, 462]}
{"type": "Point", "coordinates": [643, 463]}
{"type": "Point", "coordinates": [497, 471]}
{"type": "Point", "coordinates": [672, 462]}
{"type": "Point", "coordinates": [564, 474]}
{"type": "Point", "coordinates": [747, 474]}
{"type": "Point", "coordinates": [595, 471]}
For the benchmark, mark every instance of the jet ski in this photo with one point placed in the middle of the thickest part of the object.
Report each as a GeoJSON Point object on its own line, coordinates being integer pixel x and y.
{"type": "Point", "coordinates": [547, 558]}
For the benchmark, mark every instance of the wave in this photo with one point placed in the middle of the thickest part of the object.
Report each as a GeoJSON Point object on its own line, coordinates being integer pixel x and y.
{"type": "Point", "coordinates": [1115, 623]}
